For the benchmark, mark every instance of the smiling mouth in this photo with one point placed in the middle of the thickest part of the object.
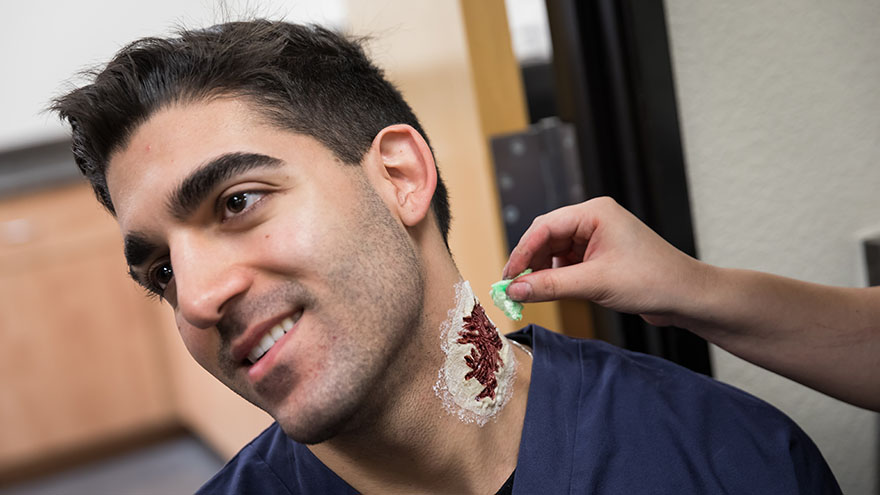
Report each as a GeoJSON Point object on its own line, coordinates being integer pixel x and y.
{"type": "Point", "coordinates": [272, 336]}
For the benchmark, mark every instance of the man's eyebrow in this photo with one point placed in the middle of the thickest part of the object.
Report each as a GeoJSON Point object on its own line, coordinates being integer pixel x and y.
{"type": "Point", "coordinates": [137, 251]}
{"type": "Point", "coordinates": [197, 186]}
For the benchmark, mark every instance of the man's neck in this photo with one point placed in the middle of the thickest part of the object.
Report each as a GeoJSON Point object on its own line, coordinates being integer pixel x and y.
{"type": "Point", "coordinates": [412, 442]}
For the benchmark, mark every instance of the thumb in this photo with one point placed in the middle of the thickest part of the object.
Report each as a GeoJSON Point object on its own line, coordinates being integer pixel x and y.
{"type": "Point", "coordinates": [568, 282]}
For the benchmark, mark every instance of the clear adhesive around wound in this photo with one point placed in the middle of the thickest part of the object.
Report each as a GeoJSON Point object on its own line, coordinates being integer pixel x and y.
{"type": "Point", "coordinates": [477, 376]}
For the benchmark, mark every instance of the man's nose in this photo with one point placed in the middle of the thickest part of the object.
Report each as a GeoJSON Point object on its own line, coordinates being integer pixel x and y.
{"type": "Point", "coordinates": [207, 278]}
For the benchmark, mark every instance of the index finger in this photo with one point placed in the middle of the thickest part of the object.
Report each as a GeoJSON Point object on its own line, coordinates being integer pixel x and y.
{"type": "Point", "coordinates": [551, 234]}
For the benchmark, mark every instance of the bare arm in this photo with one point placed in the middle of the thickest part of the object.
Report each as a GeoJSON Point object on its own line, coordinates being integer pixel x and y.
{"type": "Point", "coordinates": [827, 338]}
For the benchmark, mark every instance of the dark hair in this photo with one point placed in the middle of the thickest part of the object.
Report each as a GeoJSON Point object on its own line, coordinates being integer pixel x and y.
{"type": "Point", "coordinates": [306, 79]}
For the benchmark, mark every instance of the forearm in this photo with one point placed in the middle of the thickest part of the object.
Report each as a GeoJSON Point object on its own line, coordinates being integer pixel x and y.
{"type": "Point", "coordinates": [825, 337]}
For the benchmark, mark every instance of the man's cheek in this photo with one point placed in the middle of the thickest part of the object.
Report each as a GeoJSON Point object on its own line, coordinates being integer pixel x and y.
{"type": "Point", "coordinates": [292, 251]}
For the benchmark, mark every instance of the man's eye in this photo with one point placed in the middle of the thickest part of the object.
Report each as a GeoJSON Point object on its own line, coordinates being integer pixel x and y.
{"type": "Point", "coordinates": [239, 202]}
{"type": "Point", "coordinates": [161, 275]}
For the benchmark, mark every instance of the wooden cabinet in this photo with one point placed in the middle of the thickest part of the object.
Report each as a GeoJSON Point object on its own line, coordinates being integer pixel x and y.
{"type": "Point", "coordinates": [86, 359]}
{"type": "Point", "coordinates": [81, 360]}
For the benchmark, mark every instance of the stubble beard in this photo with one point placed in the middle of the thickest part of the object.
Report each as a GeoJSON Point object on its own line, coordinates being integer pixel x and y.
{"type": "Point", "coordinates": [378, 289]}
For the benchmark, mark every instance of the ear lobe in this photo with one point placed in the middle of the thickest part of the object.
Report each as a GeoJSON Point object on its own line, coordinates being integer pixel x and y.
{"type": "Point", "coordinates": [408, 167]}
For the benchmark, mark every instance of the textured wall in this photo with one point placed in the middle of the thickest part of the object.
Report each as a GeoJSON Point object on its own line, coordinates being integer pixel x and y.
{"type": "Point", "coordinates": [780, 109]}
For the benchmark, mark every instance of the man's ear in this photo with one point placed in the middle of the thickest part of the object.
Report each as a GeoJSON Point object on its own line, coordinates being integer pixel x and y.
{"type": "Point", "coordinates": [407, 171]}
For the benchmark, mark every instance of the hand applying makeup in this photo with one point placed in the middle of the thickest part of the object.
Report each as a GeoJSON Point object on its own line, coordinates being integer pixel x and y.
{"type": "Point", "coordinates": [824, 337]}
{"type": "Point", "coordinates": [600, 252]}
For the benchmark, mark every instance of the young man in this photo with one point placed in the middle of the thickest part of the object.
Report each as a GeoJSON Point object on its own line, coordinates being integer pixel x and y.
{"type": "Point", "coordinates": [282, 197]}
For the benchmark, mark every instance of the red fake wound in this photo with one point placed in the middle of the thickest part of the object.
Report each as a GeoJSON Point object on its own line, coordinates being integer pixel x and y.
{"type": "Point", "coordinates": [484, 360]}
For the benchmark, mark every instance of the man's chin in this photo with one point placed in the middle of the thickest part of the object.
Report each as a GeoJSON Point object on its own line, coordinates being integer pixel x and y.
{"type": "Point", "coordinates": [319, 417]}
{"type": "Point", "coordinates": [309, 437]}
{"type": "Point", "coordinates": [313, 429]}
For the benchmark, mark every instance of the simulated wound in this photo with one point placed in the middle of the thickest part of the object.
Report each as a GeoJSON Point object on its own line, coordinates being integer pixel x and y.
{"type": "Point", "coordinates": [485, 358]}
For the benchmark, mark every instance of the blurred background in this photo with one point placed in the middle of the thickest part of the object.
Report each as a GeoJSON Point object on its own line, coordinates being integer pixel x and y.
{"type": "Point", "coordinates": [747, 133]}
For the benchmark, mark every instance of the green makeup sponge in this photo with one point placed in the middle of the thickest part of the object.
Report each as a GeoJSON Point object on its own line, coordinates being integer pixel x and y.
{"type": "Point", "coordinates": [511, 308]}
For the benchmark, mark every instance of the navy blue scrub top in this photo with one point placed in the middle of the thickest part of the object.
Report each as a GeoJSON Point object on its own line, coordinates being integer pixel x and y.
{"type": "Point", "coordinates": [600, 420]}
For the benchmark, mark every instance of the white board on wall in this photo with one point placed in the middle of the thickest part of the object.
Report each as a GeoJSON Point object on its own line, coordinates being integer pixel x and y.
{"type": "Point", "coordinates": [44, 43]}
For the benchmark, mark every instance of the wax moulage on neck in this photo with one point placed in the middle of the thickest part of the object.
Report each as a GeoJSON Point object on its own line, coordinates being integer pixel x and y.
{"type": "Point", "coordinates": [476, 379]}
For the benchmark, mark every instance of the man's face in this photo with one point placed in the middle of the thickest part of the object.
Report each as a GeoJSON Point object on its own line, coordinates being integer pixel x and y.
{"type": "Point", "coordinates": [244, 229]}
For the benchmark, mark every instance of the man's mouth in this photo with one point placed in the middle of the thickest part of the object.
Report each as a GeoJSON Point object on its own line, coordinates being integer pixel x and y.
{"type": "Point", "coordinates": [272, 336]}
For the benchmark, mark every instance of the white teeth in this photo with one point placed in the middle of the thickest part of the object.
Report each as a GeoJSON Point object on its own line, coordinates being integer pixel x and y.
{"type": "Point", "coordinates": [266, 342]}
{"type": "Point", "coordinates": [273, 335]}
{"type": "Point", "coordinates": [287, 324]}
{"type": "Point", "coordinates": [255, 354]}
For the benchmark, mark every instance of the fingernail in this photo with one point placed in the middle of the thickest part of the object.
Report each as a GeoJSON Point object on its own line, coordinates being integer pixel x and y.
{"type": "Point", "coordinates": [504, 271]}
{"type": "Point", "coordinates": [519, 291]}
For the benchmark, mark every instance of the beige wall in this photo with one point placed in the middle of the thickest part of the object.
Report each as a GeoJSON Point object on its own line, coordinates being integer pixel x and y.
{"type": "Point", "coordinates": [780, 109]}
